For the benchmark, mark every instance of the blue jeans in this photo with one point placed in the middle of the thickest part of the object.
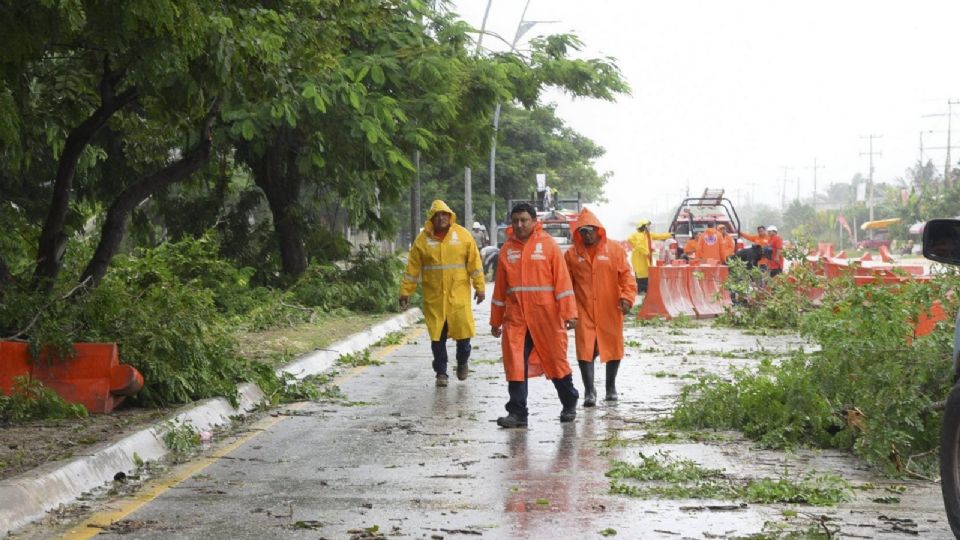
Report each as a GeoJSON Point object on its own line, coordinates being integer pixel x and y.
{"type": "Point", "coordinates": [439, 349]}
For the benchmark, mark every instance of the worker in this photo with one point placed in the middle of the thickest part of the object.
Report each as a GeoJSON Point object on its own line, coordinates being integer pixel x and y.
{"type": "Point", "coordinates": [776, 251]}
{"type": "Point", "coordinates": [445, 259]}
{"type": "Point", "coordinates": [709, 245]}
{"type": "Point", "coordinates": [763, 241]}
{"type": "Point", "coordinates": [605, 290]}
{"type": "Point", "coordinates": [727, 243]}
{"type": "Point", "coordinates": [641, 241]}
{"type": "Point", "coordinates": [532, 308]}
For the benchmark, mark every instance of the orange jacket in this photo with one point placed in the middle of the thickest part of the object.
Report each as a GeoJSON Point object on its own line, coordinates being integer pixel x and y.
{"type": "Point", "coordinates": [762, 241]}
{"type": "Point", "coordinates": [710, 245]}
{"type": "Point", "coordinates": [727, 247]}
{"type": "Point", "coordinates": [776, 257]}
{"type": "Point", "coordinates": [533, 294]}
{"type": "Point", "coordinates": [601, 277]}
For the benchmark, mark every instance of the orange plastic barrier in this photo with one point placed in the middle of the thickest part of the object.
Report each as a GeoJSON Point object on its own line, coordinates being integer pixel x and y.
{"type": "Point", "coordinates": [705, 283]}
{"type": "Point", "coordinates": [668, 293]}
{"type": "Point", "coordinates": [866, 256]}
{"type": "Point", "coordinates": [94, 377]}
{"type": "Point", "coordinates": [926, 322]}
{"type": "Point", "coordinates": [824, 249]}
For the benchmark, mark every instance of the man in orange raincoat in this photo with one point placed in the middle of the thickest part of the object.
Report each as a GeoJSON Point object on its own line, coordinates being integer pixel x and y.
{"type": "Point", "coordinates": [532, 309]}
{"type": "Point", "coordinates": [708, 246]}
{"type": "Point", "coordinates": [605, 290]}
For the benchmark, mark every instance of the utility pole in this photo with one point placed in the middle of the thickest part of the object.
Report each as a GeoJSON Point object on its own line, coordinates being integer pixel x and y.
{"type": "Point", "coordinates": [871, 153]}
{"type": "Point", "coordinates": [467, 199]}
{"type": "Point", "coordinates": [815, 167]}
{"type": "Point", "coordinates": [948, 168]}
{"type": "Point", "coordinates": [415, 199]}
{"type": "Point", "coordinates": [783, 190]}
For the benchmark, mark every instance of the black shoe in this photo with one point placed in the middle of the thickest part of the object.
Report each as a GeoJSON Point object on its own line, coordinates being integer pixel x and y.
{"type": "Point", "coordinates": [462, 371]}
{"type": "Point", "coordinates": [511, 421]}
{"type": "Point", "coordinates": [589, 390]}
{"type": "Point", "coordinates": [442, 379]}
{"type": "Point", "coordinates": [568, 414]}
{"type": "Point", "coordinates": [612, 367]}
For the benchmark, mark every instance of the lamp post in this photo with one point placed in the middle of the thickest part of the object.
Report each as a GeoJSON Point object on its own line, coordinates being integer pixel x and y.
{"type": "Point", "coordinates": [522, 28]}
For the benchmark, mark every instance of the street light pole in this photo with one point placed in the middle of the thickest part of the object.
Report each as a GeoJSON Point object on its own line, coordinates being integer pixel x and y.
{"type": "Point", "coordinates": [521, 29]}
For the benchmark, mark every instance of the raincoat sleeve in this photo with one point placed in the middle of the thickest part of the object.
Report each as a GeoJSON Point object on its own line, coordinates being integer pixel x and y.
{"type": "Point", "coordinates": [642, 246]}
{"type": "Point", "coordinates": [751, 237]}
{"type": "Point", "coordinates": [626, 281]}
{"type": "Point", "coordinates": [411, 276]}
{"type": "Point", "coordinates": [475, 267]}
{"type": "Point", "coordinates": [563, 287]}
{"type": "Point", "coordinates": [691, 246]}
{"type": "Point", "coordinates": [498, 304]}
{"type": "Point", "coordinates": [661, 236]}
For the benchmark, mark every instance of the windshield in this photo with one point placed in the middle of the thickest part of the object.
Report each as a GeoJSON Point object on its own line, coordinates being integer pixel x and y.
{"type": "Point", "coordinates": [559, 231]}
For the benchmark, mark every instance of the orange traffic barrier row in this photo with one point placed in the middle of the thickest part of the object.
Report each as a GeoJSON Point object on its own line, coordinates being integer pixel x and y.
{"type": "Point", "coordinates": [95, 378]}
{"type": "Point", "coordinates": [681, 289]}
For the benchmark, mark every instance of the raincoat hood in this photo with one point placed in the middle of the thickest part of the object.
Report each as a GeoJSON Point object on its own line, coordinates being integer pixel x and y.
{"type": "Point", "coordinates": [643, 222]}
{"type": "Point", "coordinates": [439, 206]}
{"type": "Point", "coordinates": [588, 218]}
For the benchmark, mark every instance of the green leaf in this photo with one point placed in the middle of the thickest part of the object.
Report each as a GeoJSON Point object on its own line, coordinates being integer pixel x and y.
{"type": "Point", "coordinates": [376, 73]}
{"type": "Point", "coordinates": [247, 129]}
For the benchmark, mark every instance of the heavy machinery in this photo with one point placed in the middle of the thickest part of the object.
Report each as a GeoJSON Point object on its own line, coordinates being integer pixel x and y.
{"type": "Point", "coordinates": [557, 216]}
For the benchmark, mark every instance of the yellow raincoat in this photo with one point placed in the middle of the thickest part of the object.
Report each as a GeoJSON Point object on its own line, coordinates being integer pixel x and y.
{"type": "Point", "coordinates": [445, 268]}
{"type": "Point", "coordinates": [642, 244]}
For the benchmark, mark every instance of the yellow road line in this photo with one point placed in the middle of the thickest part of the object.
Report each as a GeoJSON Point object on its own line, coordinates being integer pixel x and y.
{"type": "Point", "coordinates": [96, 523]}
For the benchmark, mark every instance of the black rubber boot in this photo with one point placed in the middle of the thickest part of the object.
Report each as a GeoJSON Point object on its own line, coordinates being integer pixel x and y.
{"type": "Point", "coordinates": [512, 421]}
{"type": "Point", "coordinates": [589, 390]}
{"type": "Point", "coordinates": [612, 367]}
{"type": "Point", "coordinates": [569, 396]}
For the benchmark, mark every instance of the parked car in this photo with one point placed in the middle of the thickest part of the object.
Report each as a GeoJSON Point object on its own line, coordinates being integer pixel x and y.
{"type": "Point", "coordinates": [941, 243]}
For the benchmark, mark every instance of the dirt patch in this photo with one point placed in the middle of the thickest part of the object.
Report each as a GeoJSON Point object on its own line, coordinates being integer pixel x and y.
{"type": "Point", "coordinates": [29, 445]}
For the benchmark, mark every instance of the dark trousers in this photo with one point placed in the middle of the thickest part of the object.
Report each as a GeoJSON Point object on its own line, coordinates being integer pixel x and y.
{"type": "Point", "coordinates": [439, 349]}
{"type": "Point", "coordinates": [517, 405]}
{"type": "Point", "coordinates": [642, 284]}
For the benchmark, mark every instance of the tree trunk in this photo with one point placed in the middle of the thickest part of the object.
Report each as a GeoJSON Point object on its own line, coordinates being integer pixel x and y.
{"type": "Point", "coordinates": [53, 240]}
{"type": "Point", "coordinates": [275, 172]}
{"type": "Point", "coordinates": [118, 215]}
{"type": "Point", "coordinates": [6, 278]}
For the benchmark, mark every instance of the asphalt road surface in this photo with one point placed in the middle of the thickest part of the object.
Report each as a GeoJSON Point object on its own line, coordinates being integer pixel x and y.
{"type": "Point", "coordinates": [404, 459]}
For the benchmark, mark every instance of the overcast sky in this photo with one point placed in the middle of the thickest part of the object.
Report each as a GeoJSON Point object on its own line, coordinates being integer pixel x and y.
{"type": "Point", "coordinates": [728, 93]}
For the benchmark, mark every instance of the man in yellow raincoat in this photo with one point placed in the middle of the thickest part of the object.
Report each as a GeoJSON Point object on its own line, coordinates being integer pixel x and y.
{"type": "Point", "coordinates": [533, 307]}
{"type": "Point", "coordinates": [445, 259]}
{"type": "Point", "coordinates": [605, 290]}
{"type": "Point", "coordinates": [642, 243]}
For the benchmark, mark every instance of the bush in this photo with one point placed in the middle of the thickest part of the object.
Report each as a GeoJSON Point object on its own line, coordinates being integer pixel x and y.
{"type": "Point", "coordinates": [869, 388]}
{"type": "Point", "coordinates": [367, 284]}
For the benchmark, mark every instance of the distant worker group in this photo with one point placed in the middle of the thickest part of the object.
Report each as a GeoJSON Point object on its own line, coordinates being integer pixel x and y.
{"type": "Point", "coordinates": [540, 293]}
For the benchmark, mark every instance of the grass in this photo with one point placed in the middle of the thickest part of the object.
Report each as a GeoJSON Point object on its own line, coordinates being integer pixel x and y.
{"type": "Point", "coordinates": [666, 477]}
{"type": "Point", "coordinates": [279, 346]}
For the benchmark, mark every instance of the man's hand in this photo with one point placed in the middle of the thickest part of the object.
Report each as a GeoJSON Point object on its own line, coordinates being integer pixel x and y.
{"type": "Point", "coordinates": [404, 300]}
{"type": "Point", "coordinates": [625, 306]}
{"type": "Point", "coordinates": [480, 295]}
{"type": "Point", "coordinates": [497, 331]}
{"type": "Point", "coordinates": [571, 324]}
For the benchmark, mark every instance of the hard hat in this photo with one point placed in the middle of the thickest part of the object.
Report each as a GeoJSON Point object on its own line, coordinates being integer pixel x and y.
{"type": "Point", "coordinates": [772, 228]}
{"type": "Point", "coordinates": [477, 225]}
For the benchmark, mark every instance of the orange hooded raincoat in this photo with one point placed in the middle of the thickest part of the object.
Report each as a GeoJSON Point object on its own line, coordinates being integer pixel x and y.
{"type": "Point", "coordinates": [601, 277]}
{"type": "Point", "coordinates": [710, 245]}
{"type": "Point", "coordinates": [533, 294]}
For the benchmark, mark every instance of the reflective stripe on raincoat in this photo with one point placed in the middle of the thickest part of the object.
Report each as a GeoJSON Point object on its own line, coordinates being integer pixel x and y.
{"type": "Point", "coordinates": [533, 293]}
{"type": "Point", "coordinates": [642, 244]}
{"type": "Point", "coordinates": [445, 269]}
{"type": "Point", "coordinates": [601, 277]}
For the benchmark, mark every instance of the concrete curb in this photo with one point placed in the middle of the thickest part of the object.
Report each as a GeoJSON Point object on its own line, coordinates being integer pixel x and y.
{"type": "Point", "coordinates": [29, 496]}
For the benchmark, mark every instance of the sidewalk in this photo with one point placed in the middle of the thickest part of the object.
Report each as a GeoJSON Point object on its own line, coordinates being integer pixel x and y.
{"type": "Point", "coordinates": [27, 497]}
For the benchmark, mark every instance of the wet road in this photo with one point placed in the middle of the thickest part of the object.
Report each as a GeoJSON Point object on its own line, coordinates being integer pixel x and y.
{"type": "Point", "coordinates": [407, 460]}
